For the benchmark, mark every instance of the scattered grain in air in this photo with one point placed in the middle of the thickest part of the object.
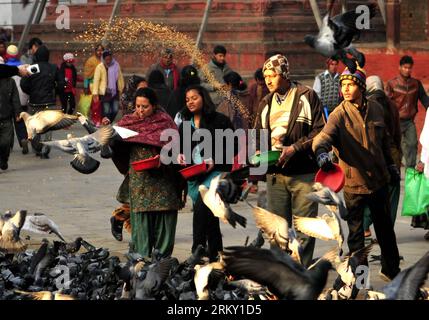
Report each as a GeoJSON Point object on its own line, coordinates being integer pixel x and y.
{"type": "Point", "coordinates": [146, 37]}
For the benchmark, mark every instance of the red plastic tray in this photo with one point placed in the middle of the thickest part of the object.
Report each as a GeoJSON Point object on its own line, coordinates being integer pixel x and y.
{"type": "Point", "coordinates": [146, 164]}
{"type": "Point", "coordinates": [194, 170]}
{"type": "Point", "coordinates": [333, 179]}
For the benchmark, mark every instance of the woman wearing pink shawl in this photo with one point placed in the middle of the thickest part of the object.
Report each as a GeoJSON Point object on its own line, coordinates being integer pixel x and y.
{"type": "Point", "coordinates": [154, 195]}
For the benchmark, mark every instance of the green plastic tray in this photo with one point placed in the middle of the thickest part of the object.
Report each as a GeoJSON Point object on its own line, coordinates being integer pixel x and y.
{"type": "Point", "coordinates": [269, 157]}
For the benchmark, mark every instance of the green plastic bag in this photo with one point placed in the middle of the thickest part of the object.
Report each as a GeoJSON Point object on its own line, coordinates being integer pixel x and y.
{"type": "Point", "coordinates": [84, 104]}
{"type": "Point", "coordinates": [416, 197]}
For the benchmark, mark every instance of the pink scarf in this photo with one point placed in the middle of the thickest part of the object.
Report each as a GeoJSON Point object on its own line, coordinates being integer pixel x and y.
{"type": "Point", "coordinates": [149, 128]}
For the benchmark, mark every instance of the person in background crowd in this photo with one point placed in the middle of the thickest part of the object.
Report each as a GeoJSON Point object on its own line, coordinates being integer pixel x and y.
{"type": "Point", "coordinates": [134, 83]}
{"type": "Point", "coordinates": [69, 74]}
{"type": "Point", "coordinates": [327, 85]}
{"type": "Point", "coordinates": [3, 53]}
{"type": "Point", "coordinates": [188, 77]}
{"type": "Point", "coordinates": [34, 44]}
{"type": "Point", "coordinates": [375, 90]}
{"type": "Point", "coordinates": [168, 68]}
{"type": "Point", "coordinates": [20, 129]}
{"type": "Point", "coordinates": [42, 88]}
{"type": "Point", "coordinates": [88, 75]}
{"type": "Point", "coordinates": [237, 93]}
{"type": "Point", "coordinates": [422, 221]}
{"type": "Point", "coordinates": [108, 85]}
{"type": "Point", "coordinates": [257, 92]}
{"type": "Point", "coordinates": [156, 81]}
{"type": "Point", "coordinates": [10, 108]}
{"type": "Point", "coordinates": [218, 68]}
{"type": "Point", "coordinates": [406, 91]}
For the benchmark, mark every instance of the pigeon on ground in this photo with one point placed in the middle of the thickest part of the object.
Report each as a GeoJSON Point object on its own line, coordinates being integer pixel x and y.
{"type": "Point", "coordinates": [10, 228]}
{"type": "Point", "coordinates": [284, 280]}
{"type": "Point", "coordinates": [47, 120]}
{"type": "Point", "coordinates": [81, 147]}
{"type": "Point", "coordinates": [201, 278]}
{"type": "Point", "coordinates": [71, 247]}
{"type": "Point", "coordinates": [39, 223]}
{"type": "Point", "coordinates": [156, 274]}
{"type": "Point", "coordinates": [336, 36]}
{"type": "Point", "coordinates": [218, 207]}
{"type": "Point", "coordinates": [251, 287]}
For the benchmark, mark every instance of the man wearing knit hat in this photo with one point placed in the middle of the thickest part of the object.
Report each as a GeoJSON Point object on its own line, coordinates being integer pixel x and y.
{"type": "Point", "coordinates": [292, 115]}
{"type": "Point", "coordinates": [356, 128]}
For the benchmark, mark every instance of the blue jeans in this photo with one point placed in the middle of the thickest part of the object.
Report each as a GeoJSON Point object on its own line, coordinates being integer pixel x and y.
{"type": "Point", "coordinates": [110, 109]}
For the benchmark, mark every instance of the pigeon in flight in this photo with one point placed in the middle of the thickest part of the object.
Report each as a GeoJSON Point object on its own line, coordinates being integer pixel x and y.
{"type": "Point", "coordinates": [326, 227]}
{"type": "Point", "coordinates": [47, 120]}
{"type": "Point", "coordinates": [81, 147]}
{"type": "Point", "coordinates": [336, 36]}
{"type": "Point", "coordinates": [329, 198]}
{"type": "Point", "coordinates": [218, 207]}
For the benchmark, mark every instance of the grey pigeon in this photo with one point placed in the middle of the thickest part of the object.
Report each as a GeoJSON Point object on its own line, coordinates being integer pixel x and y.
{"type": "Point", "coordinates": [81, 147]}
{"type": "Point", "coordinates": [336, 36]}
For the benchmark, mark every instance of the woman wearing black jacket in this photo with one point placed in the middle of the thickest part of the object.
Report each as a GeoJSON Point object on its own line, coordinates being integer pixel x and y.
{"type": "Point", "coordinates": [200, 113]}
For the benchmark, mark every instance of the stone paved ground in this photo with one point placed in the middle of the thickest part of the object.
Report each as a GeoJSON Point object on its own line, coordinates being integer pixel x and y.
{"type": "Point", "coordinates": [82, 204]}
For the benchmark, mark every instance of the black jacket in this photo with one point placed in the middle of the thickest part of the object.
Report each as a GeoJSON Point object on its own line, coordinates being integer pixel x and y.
{"type": "Point", "coordinates": [302, 128]}
{"type": "Point", "coordinates": [62, 75]}
{"type": "Point", "coordinates": [215, 121]}
{"type": "Point", "coordinates": [10, 106]}
{"type": "Point", "coordinates": [42, 87]}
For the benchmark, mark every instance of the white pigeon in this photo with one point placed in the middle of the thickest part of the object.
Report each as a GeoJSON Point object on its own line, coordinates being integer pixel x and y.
{"type": "Point", "coordinates": [201, 278]}
{"type": "Point", "coordinates": [47, 120]}
{"type": "Point", "coordinates": [81, 147]}
{"type": "Point", "coordinates": [39, 223]}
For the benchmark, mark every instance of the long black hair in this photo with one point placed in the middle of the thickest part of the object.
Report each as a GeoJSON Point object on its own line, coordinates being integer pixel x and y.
{"type": "Point", "coordinates": [209, 108]}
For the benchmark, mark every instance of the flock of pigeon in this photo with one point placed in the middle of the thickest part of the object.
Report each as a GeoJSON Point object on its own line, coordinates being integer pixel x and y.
{"type": "Point", "coordinates": [78, 270]}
